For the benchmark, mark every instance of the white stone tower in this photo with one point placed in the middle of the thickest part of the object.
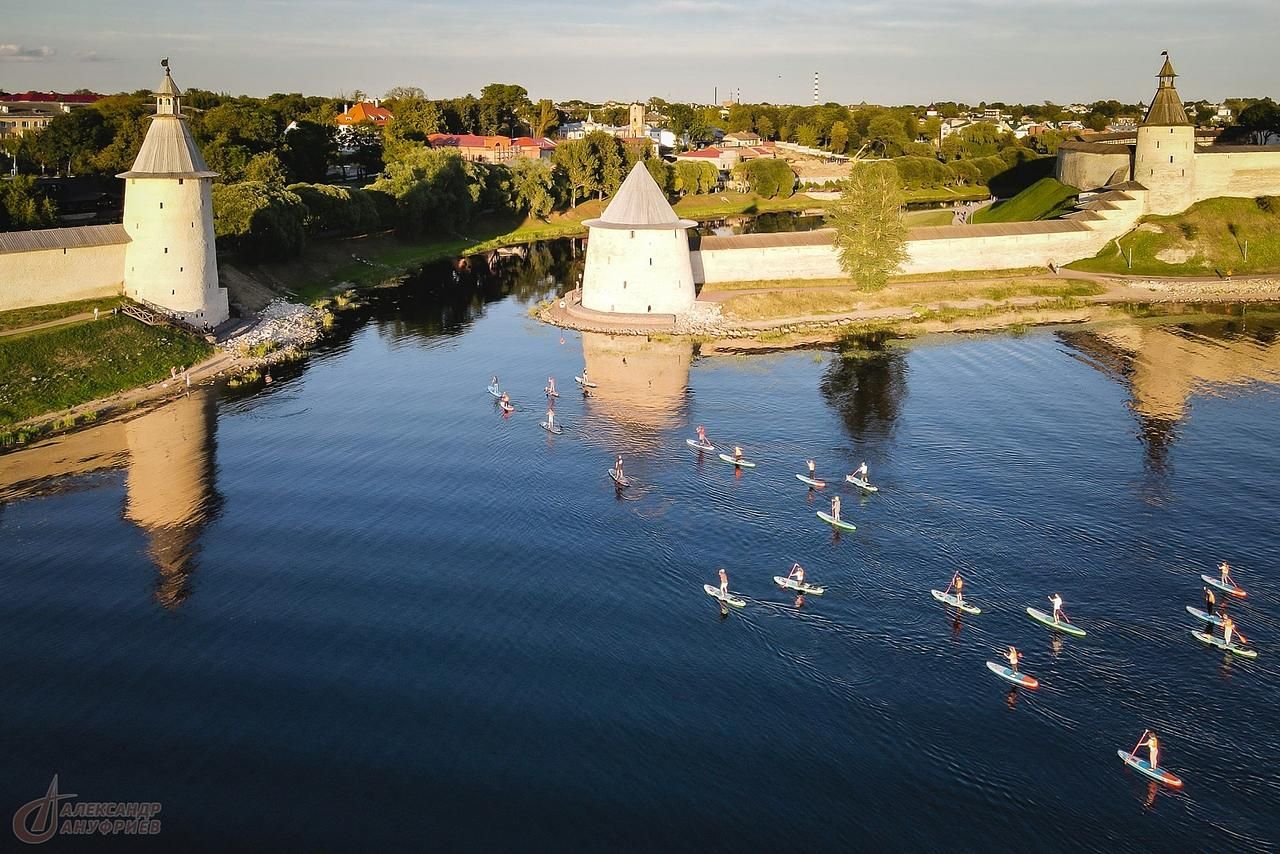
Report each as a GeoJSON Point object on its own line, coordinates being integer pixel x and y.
{"type": "Point", "coordinates": [638, 253]}
{"type": "Point", "coordinates": [171, 260]}
{"type": "Point", "coordinates": [1164, 160]}
{"type": "Point", "coordinates": [635, 121]}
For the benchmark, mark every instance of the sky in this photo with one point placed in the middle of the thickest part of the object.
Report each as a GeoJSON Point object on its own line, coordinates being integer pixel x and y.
{"type": "Point", "coordinates": [901, 52]}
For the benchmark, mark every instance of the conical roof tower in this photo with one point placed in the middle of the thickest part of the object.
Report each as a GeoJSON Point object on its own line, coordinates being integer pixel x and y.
{"type": "Point", "coordinates": [639, 203]}
{"type": "Point", "coordinates": [168, 151]}
{"type": "Point", "coordinates": [1166, 108]}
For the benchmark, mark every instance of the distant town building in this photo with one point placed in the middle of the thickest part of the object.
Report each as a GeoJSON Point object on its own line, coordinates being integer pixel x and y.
{"type": "Point", "coordinates": [28, 112]}
{"type": "Point", "coordinates": [741, 139]}
{"type": "Point", "coordinates": [365, 111]}
{"type": "Point", "coordinates": [493, 149]}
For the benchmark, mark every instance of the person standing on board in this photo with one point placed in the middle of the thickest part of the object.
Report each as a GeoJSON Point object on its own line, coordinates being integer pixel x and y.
{"type": "Point", "coordinates": [493, 383]}
{"type": "Point", "coordinates": [1058, 616]}
{"type": "Point", "coordinates": [551, 387]}
{"type": "Point", "coordinates": [1153, 750]}
{"type": "Point", "coordinates": [617, 469]}
{"type": "Point", "coordinates": [551, 418]}
{"type": "Point", "coordinates": [812, 469]}
{"type": "Point", "coordinates": [1014, 657]}
{"type": "Point", "coordinates": [861, 472]}
{"type": "Point", "coordinates": [797, 572]}
{"type": "Point", "coordinates": [737, 454]}
{"type": "Point", "coordinates": [959, 585]}
{"type": "Point", "coordinates": [724, 584]}
{"type": "Point", "coordinates": [1225, 569]}
{"type": "Point", "coordinates": [1210, 601]}
{"type": "Point", "coordinates": [702, 435]}
{"type": "Point", "coordinates": [1229, 629]}
{"type": "Point", "coordinates": [835, 507]}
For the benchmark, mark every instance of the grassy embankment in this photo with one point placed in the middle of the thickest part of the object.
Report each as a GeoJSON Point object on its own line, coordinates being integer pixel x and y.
{"type": "Point", "coordinates": [1207, 239]}
{"type": "Point", "coordinates": [975, 193]}
{"type": "Point", "coordinates": [1045, 199]}
{"type": "Point", "coordinates": [59, 368]}
{"type": "Point", "coordinates": [836, 297]}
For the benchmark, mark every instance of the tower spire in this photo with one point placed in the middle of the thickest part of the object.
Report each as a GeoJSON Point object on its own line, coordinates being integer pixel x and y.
{"type": "Point", "coordinates": [1166, 107]}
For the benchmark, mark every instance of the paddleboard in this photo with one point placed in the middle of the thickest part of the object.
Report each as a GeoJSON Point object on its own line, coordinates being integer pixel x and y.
{"type": "Point", "coordinates": [494, 391]}
{"type": "Point", "coordinates": [792, 584]}
{"type": "Point", "coordinates": [1205, 616]}
{"type": "Point", "coordinates": [950, 599]}
{"type": "Point", "coordinates": [580, 381]}
{"type": "Point", "coordinates": [694, 443]}
{"type": "Point", "coordinates": [1220, 644]}
{"type": "Point", "coordinates": [1047, 620]}
{"type": "Point", "coordinates": [714, 593]}
{"type": "Point", "coordinates": [731, 461]}
{"type": "Point", "coordinates": [550, 393]}
{"type": "Point", "coordinates": [1022, 680]}
{"type": "Point", "coordinates": [621, 481]}
{"type": "Point", "coordinates": [835, 523]}
{"type": "Point", "coordinates": [507, 407]}
{"type": "Point", "coordinates": [1143, 766]}
{"type": "Point", "coordinates": [1210, 580]}
{"type": "Point", "coordinates": [553, 429]}
{"type": "Point", "coordinates": [818, 483]}
{"type": "Point", "coordinates": [861, 484]}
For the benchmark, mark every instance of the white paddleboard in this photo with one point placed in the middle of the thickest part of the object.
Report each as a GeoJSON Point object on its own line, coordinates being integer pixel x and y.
{"type": "Point", "coordinates": [694, 443]}
{"type": "Point", "coordinates": [950, 599]}
{"type": "Point", "coordinates": [580, 381]}
{"type": "Point", "coordinates": [714, 593]}
{"type": "Point", "coordinates": [861, 484]}
{"type": "Point", "coordinates": [792, 584]}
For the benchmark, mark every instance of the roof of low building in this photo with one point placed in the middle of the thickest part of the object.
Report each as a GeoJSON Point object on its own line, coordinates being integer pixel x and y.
{"type": "Point", "coordinates": [711, 153]}
{"type": "Point", "coordinates": [639, 203]}
{"type": "Point", "coordinates": [365, 112]}
{"type": "Point", "coordinates": [63, 238]}
{"type": "Point", "coordinates": [50, 98]}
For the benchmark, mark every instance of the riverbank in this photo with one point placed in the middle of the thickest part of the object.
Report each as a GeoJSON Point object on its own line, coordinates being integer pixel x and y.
{"type": "Point", "coordinates": [779, 315]}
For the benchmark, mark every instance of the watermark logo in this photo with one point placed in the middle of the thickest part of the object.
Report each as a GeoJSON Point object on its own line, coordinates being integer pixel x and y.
{"type": "Point", "coordinates": [40, 820]}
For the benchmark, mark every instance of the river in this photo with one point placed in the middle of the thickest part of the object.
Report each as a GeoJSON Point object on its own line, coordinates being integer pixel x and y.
{"type": "Point", "coordinates": [358, 608]}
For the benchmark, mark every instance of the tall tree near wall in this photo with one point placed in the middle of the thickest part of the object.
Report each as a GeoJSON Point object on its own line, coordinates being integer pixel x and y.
{"type": "Point", "coordinates": [546, 118]}
{"type": "Point", "coordinates": [871, 233]}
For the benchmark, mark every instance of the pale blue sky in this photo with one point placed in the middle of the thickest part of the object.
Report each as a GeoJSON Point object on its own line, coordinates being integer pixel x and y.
{"type": "Point", "coordinates": [907, 51]}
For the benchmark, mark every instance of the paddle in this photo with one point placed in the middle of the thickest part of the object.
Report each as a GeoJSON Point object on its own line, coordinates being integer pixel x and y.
{"type": "Point", "coordinates": [1134, 752]}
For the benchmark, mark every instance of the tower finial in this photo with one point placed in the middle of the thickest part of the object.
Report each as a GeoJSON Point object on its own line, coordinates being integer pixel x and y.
{"type": "Point", "coordinates": [164, 63]}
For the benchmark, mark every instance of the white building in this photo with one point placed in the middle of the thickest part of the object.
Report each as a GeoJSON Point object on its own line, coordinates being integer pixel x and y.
{"type": "Point", "coordinates": [638, 253]}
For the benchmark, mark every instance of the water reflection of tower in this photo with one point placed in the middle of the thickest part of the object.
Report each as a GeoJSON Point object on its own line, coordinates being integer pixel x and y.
{"type": "Point", "coordinates": [170, 491]}
{"type": "Point", "coordinates": [1163, 366]}
{"type": "Point", "coordinates": [641, 383]}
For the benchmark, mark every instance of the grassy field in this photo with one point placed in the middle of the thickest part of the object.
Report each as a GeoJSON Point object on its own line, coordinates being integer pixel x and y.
{"type": "Point", "coordinates": [948, 276]}
{"type": "Point", "coordinates": [63, 367]}
{"type": "Point", "coordinates": [1045, 199]}
{"type": "Point", "coordinates": [949, 194]}
{"type": "Point", "coordinates": [20, 317]}
{"type": "Point", "coordinates": [1205, 240]}
{"type": "Point", "coordinates": [921, 218]}
{"type": "Point", "coordinates": [843, 300]}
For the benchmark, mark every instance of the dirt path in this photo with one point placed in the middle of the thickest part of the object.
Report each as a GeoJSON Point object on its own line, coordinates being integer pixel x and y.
{"type": "Point", "coordinates": [49, 324]}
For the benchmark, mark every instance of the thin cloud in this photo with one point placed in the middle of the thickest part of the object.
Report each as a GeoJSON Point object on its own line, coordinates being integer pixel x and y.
{"type": "Point", "coordinates": [94, 56]}
{"type": "Point", "coordinates": [18, 53]}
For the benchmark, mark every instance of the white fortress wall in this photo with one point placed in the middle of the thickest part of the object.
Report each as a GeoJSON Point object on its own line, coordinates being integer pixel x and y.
{"type": "Point", "coordinates": [48, 276]}
{"type": "Point", "coordinates": [1237, 173]}
{"type": "Point", "coordinates": [765, 263]}
{"type": "Point", "coordinates": [1087, 170]}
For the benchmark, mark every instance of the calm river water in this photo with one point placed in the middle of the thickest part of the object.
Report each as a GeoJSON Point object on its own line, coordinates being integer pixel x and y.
{"type": "Point", "coordinates": [359, 609]}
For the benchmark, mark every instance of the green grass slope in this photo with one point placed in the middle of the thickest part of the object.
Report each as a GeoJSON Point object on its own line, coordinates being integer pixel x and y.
{"type": "Point", "coordinates": [1045, 199]}
{"type": "Point", "coordinates": [1207, 239]}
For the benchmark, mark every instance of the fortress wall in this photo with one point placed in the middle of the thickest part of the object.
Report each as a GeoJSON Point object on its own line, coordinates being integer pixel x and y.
{"type": "Point", "coordinates": [771, 262]}
{"type": "Point", "coordinates": [1086, 170]}
{"type": "Point", "coordinates": [1003, 252]}
{"type": "Point", "coordinates": [1244, 174]}
{"type": "Point", "coordinates": [49, 276]}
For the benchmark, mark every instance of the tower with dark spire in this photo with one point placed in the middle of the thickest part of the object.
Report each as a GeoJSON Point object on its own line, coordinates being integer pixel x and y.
{"type": "Point", "coordinates": [1164, 160]}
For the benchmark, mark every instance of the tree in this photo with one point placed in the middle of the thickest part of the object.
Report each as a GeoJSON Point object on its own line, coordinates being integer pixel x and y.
{"type": "Point", "coordinates": [839, 137]}
{"type": "Point", "coordinates": [662, 174]}
{"type": "Point", "coordinates": [871, 233]}
{"type": "Point", "coordinates": [1259, 121]}
{"type": "Point", "coordinates": [886, 134]}
{"type": "Point", "coordinates": [501, 105]}
{"type": "Point", "coordinates": [533, 184]}
{"type": "Point", "coordinates": [309, 150]}
{"type": "Point", "coordinates": [576, 158]}
{"type": "Point", "coordinates": [932, 130]}
{"type": "Point", "coordinates": [404, 93]}
{"type": "Point", "coordinates": [807, 136]}
{"type": "Point", "coordinates": [414, 120]}
{"type": "Point", "coordinates": [72, 140]}
{"type": "Point", "coordinates": [433, 191]}
{"type": "Point", "coordinates": [265, 168]}
{"type": "Point", "coordinates": [23, 206]}
{"type": "Point", "coordinates": [261, 221]}
{"type": "Point", "coordinates": [336, 210]}
{"type": "Point", "coordinates": [767, 177]}
{"type": "Point", "coordinates": [546, 118]}
{"type": "Point", "coordinates": [364, 144]}
{"type": "Point", "coordinates": [609, 156]}
{"type": "Point", "coordinates": [765, 127]}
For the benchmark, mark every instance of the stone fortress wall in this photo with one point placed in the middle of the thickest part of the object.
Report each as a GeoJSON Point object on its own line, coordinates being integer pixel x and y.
{"type": "Point", "coordinates": [60, 274]}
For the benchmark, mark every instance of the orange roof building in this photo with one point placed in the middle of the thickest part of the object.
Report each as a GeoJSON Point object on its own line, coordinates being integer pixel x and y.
{"type": "Point", "coordinates": [364, 112]}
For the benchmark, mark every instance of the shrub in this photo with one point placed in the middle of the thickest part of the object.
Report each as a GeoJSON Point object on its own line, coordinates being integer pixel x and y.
{"type": "Point", "coordinates": [767, 177]}
{"type": "Point", "coordinates": [336, 209]}
{"type": "Point", "coordinates": [259, 220]}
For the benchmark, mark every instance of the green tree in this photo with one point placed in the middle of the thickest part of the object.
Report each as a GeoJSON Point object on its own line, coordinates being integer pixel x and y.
{"type": "Point", "coordinates": [765, 127]}
{"type": "Point", "coordinates": [871, 233]}
{"type": "Point", "coordinates": [364, 144]}
{"type": "Point", "coordinates": [265, 168]}
{"type": "Point", "coordinates": [807, 136]}
{"type": "Point", "coordinates": [23, 206]}
{"type": "Point", "coordinates": [500, 108]}
{"type": "Point", "coordinates": [414, 119]}
{"type": "Point", "coordinates": [662, 173]}
{"type": "Point", "coordinates": [72, 140]}
{"type": "Point", "coordinates": [336, 210]}
{"type": "Point", "coordinates": [546, 118]}
{"type": "Point", "coordinates": [1258, 122]}
{"type": "Point", "coordinates": [839, 137]}
{"type": "Point", "coordinates": [577, 159]}
{"type": "Point", "coordinates": [308, 151]}
{"type": "Point", "coordinates": [608, 155]}
{"type": "Point", "coordinates": [533, 185]}
{"type": "Point", "coordinates": [886, 134]}
{"type": "Point", "coordinates": [433, 190]}
{"type": "Point", "coordinates": [767, 177]}
{"type": "Point", "coordinates": [260, 221]}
